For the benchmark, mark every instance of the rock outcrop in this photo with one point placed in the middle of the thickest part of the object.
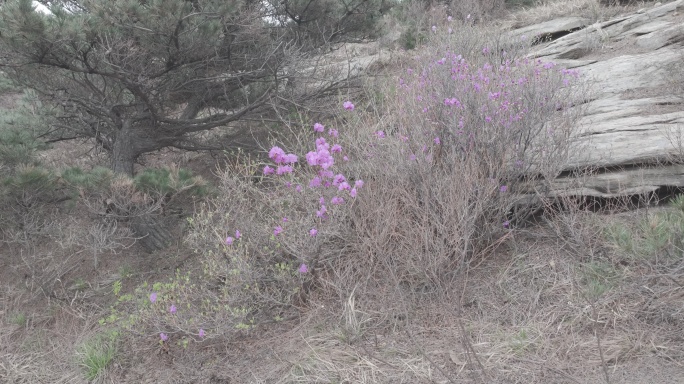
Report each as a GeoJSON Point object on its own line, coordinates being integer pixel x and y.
{"type": "Point", "coordinates": [633, 127]}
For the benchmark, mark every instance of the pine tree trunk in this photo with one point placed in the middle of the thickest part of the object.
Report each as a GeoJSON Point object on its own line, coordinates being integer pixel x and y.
{"type": "Point", "coordinates": [123, 152]}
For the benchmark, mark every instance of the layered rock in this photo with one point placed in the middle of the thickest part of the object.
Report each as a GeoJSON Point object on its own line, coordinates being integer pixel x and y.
{"type": "Point", "coordinates": [633, 129]}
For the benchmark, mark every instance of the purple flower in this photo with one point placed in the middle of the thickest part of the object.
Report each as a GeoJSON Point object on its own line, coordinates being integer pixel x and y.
{"type": "Point", "coordinates": [441, 61]}
{"type": "Point", "coordinates": [237, 234]}
{"type": "Point", "coordinates": [153, 297]}
{"type": "Point", "coordinates": [276, 154]}
{"type": "Point", "coordinates": [172, 309]}
{"type": "Point", "coordinates": [506, 224]}
{"type": "Point", "coordinates": [352, 193]}
{"type": "Point", "coordinates": [277, 230]}
{"type": "Point", "coordinates": [503, 188]}
{"type": "Point", "coordinates": [437, 141]}
{"type": "Point", "coordinates": [345, 158]}
{"type": "Point", "coordinates": [313, 232]}
{"type": "Point", "coordinates": [321, 212]}
{"type": "Point", "coordinates": [321, 143]}
{"type": "Point", "coordinates": [338, 179]}
{"type": "Point", "coordinates": [348, 105]}
{"type": "Point", "coordinates": [380, 134]}
{"type": "Point", "coordinates": [298, 188]}
{"type": "Point", "coordinates": [412, 157]}
{"type": "Point", "coordinates": [315, 182]}
{"type": "Point", "coordinates": [333, 132]}
{"type": "Point", "coordinates": [318, 127]}
{"type": "Point", "coordinates": [452, 102]}
{"type": "Point", "coordinates": [336, 148]}
{"type": "Point", "coordinates": [268, 170]}
{"type": "Point", "coordinates": [312, 158]}
{"type": "Point", "coordinates": [290, 158]}
{"type": "Point", "coordinates": [285, 220]}
{"type": "Point", "coordinates": [358, 184]}
{"type": "Point", "coordinates": [229, 240]}
{"type": "Point", "coordinates": [303, 268]}
{"type": "Point", "coordinates": [163, 336]}
{"type": "Point", "coordinates": [321, 200]}
{"type": "Point", "coordinates": [337, 200]}
{"type": "Point", "coordinates": [344, 186]}
{"type": "Point", "coordinates": [202, 333]}
{"type": "Point", "coordinates": [283, 169]}
{"type": "Point", "coordinates": [449, 18]}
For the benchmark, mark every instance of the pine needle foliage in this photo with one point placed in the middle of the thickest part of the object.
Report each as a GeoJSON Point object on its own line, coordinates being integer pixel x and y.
{"type": "Point", "coordinates": [138, 76]}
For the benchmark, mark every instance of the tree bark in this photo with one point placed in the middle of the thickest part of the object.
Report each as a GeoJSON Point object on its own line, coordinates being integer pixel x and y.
{"type": "Point", "coordinates": [123, 151]}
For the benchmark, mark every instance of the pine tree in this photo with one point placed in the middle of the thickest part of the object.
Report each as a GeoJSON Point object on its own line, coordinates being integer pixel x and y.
{"type": "Point", "coordinates": [141, 75]}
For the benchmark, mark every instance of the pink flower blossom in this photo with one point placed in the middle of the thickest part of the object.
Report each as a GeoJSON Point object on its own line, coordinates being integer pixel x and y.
{"type": "Point", "coordinates": [321, 212]}
{"type": "Point", "coordinates": [163, 336]}
{"type": "Point", "coordinates": [380, 134]}
{"type": "Point", "coordinates": [268, 170]}
{"type": "Point", "coordinates": [345, 158]}
{"type": "Point", "coordinates": [237, 234]}
{"type": "Point", "coordinates": [285, 220]}
{"type": "Point", "coordinates": [276, 154]}
{"type": "Point", "coordinates": [437, 141]}
{"type": "Point", "coordinates": [202, 333]}
{"type": "Point", "coordinates": [303, 268]}
{"type": "Point", "coordinates": [452, 102]}
{"type": "Point", "coordinates": [336, 148]}
{"type": "Point", "coordinates": [358, 184]}
{"type": "Point", "coordinates": [321, 143]}
{"type": "Point", "coordinates": [321, 200]}
{"type": "Point", "coordinates": [325, 173]}
{"type": "Point", "coordinates": [277, 230]}
{"type": "Point", "coordinates": [290, 158]}
{"type": "Point", "coordinates": [298, 188]}
{"type": "Point", "coordinates": [313, 232]}
{"type": "Point", "coordinates": [318, 127]}
{"type": "Point", "coordinates": [503, 188]}
{"type": "Point", "coordinates": [506, 224]}
{"type": "Point", "coordinates": [153, 297]}
{"type": "Point", "coordinates": [315, 182]}
{"type": "Point", "coordinates": [229, 240]}
{"type": "Point", "coordinates": [338, 179]}
{"type": "Point", "coordinates": [344, 186]}
{"type": "Point", "coordinates": [333, 132]}
{"type": "Point", "coordinates": [337, 200]}
{"type": "Point", "coordinates": [352, 193]}
{"type": "Point", "coordinates": [312, 158]}
{"type": "Point", "coordinates": [348, 105]}
{"type": "Point", "coordinates": [441, 61]}
{"type": "Point", "coordinates": [283, 169]}
{"type": "Point", "coordinates": [172, 309]}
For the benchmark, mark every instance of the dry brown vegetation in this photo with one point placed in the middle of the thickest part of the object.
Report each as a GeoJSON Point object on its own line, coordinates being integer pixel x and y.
{"type": "Point", "coordinates": [414, 281]}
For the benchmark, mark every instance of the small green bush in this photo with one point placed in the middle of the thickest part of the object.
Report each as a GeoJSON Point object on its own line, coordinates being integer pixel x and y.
{"type": "Point", "coordinates": [97, 354]}
{"type": "Point", "coordinates": [166, 181]}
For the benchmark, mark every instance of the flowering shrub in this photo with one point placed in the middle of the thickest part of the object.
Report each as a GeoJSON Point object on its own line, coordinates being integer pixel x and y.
{"type": "Point", "coordinates": [375, 205]}
{"type": "Point", "coordinates": [465, 131]}
{"type": "Point", "coordinates": [259, 246]}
